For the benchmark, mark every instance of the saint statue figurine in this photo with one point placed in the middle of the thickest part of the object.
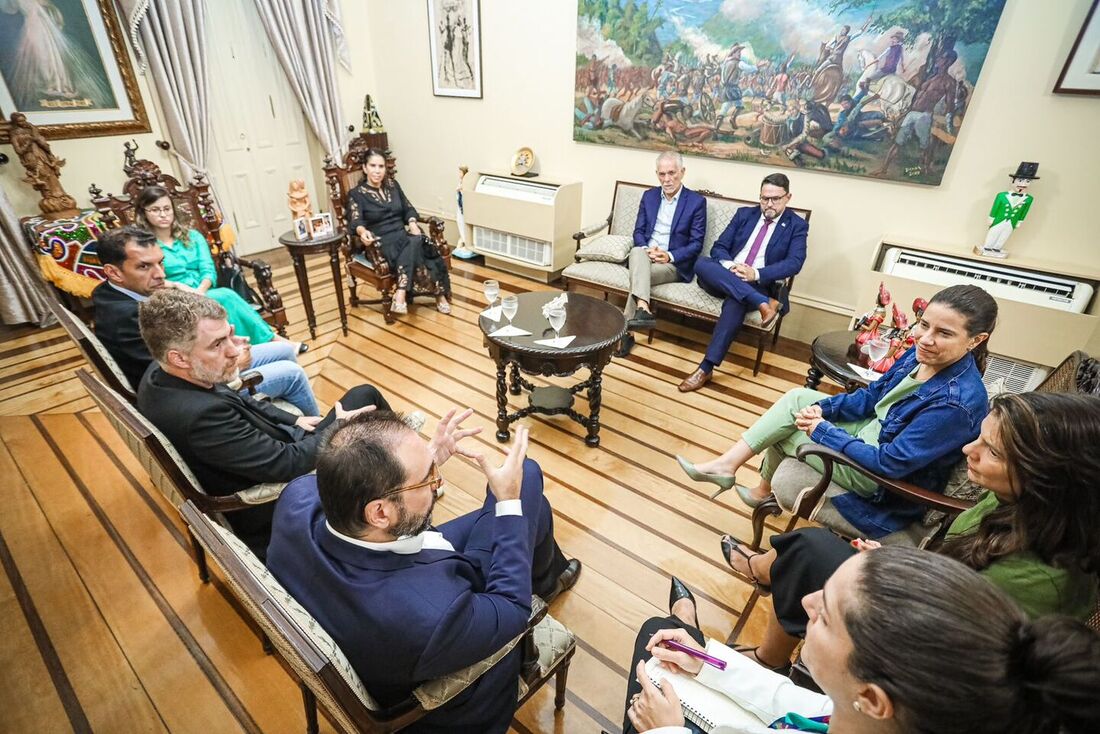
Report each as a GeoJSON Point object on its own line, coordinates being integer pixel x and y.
{"type": "Point", "coordinates": [372, 121]}
{"type": "Point", "coordinates": [1009, 210]}
{"type": "Point", "coordinates": [298, 200]}
{"type": "Point", "coordinates": [43, 168]}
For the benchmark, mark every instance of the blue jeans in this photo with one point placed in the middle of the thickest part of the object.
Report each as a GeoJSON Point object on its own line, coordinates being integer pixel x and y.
{"type": "Point", "coordinates": [283, 376]}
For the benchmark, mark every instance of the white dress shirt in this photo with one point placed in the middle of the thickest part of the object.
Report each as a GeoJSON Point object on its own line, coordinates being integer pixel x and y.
{"type": "Point", "coordinates": [136, 296]}
{"type": "Point", "coordinates": [758, 261]}
{"type": "Point", "coordinates": [662, 228]}
{"type": "Point", "coordinates": [427, 540]}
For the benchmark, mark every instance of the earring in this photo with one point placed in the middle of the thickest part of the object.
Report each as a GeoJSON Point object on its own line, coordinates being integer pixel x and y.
{"type": "Point", "coordinates": [855, 705]}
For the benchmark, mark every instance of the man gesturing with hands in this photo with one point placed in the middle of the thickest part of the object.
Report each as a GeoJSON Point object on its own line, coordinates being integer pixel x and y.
{"type": "Point", "coordinates": [404, 600]}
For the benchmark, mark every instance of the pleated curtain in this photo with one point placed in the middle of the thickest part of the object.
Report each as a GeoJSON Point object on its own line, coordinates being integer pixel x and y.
{"type": "Point", "coordinates": [23, 298]}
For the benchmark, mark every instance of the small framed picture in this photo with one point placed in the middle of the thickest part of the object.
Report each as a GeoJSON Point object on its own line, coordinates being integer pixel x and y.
{"type": "Point", "coordinates": [320, 225]}
{"type": "Point", "coordinates": [301, 229]}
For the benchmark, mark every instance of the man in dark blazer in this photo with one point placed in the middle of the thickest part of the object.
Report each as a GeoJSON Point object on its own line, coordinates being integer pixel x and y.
{"type": "Point", "coordinates": [407, 602]}
{"type": "Point", "coordinates": [134, 265]}
{"type": "Point", "coordinates": [668, 236]}
{"type": "Point", "coordinates": [761, 246]}
{"type": "Point", "coordinates": [230, 442]}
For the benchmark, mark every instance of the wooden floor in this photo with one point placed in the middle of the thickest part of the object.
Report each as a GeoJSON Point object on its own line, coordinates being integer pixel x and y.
{"type": "Point", "coordinates": [107, 629]}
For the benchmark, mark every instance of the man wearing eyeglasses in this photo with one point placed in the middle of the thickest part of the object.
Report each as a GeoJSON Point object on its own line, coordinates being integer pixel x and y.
{"type": "Point", "coordinates": [405, 601]}
{"type": "Point", "coordinates": [762, 246]}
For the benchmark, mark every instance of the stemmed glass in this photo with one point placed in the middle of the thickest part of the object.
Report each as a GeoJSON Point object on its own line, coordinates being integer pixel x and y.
{"type": "Point", "coordinates": [509, 305]}
{"type": "Point", "coordinates": [491, 288]}
{"type": "Point", "coordinates": [877, 348]}
{"type": "Point", "coordinates": [556, 316]}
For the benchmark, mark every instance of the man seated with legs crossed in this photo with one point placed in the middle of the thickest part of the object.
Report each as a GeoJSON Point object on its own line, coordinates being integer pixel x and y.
{"type": "Point", "coordinates": [668, 236]}
{"type": "Point", "coordinates": [133, 263]}
{"type": "Point", "coordinates": [407, 602]}
{"type": "Point", "coordinates": [230, 442]}
{"type": "Point", "coordinates": [761, 246]}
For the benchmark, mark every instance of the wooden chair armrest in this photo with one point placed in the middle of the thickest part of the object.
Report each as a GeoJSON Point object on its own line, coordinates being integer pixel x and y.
{"type": "Point", "coordinates": [372, 248]}
{"type": "Point", "coordinates": [911, 492]}
{"type": "Point", "coordinates": [591, 230]}
{"type": "Point", "coordinates": [435, 234]}
{"type": "Point", "coordinates": [265, 281]}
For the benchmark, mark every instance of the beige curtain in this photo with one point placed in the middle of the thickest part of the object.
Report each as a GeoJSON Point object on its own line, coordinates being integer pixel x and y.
{"type": "Point", "coordinates": [23, 298]}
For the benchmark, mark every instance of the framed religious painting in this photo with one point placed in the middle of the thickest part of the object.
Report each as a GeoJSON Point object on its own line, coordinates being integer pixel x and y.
{"type": "Point", "coordinates": [454, 40]}
{"type": "Point", "coordinates": [63, 64]}
{"type": "Point", "coordinates": [1081, 74]}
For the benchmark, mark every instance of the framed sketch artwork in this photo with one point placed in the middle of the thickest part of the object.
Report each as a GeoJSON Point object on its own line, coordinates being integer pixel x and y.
{"type": "Point", "coordinates": [1081, 74]}
{"type": "Point", "coordinates": [454, 39]}
{"type": "Point", "coordinates": [63, 64]}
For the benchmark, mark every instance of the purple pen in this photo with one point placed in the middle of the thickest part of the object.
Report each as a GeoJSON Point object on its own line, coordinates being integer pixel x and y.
{"type": "Point", "coordinates": [708, 659]}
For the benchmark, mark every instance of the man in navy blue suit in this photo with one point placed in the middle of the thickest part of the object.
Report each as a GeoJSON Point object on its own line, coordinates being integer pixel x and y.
{"type": "Point", "coordinates": [668, 236]}
{"type": "Point", "coordinates": [407, 602]}
{"type": "Point", "coordinates": [761, 246]}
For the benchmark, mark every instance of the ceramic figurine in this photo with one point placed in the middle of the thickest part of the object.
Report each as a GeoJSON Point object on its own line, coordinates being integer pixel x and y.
{"type": "Point", "coordinates": [900, 320]}
{"type": "Point", "coordinates": [462, 250]}
{"type": "Point", "coordinates": [298, 199]}
{"type": "Point", "coordinates": [372, 121]}
{"type": "Point", "coordinates": [42, 166]}
{"type": "Point", "coordinates": [870, 322]}
{"type": "Point", "coordinates": [1009, 210]}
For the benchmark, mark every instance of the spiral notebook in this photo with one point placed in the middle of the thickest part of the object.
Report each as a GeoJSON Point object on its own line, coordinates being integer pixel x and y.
{"type": "Point", "coordinates": [704, 707]}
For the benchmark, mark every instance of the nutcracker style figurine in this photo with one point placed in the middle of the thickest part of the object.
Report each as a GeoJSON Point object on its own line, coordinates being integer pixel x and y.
{"type": "Point", "coordinates": [1009, 210]}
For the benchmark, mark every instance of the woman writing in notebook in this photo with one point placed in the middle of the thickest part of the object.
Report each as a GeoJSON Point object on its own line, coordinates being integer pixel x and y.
{"type": "Point", "coordinates": [899, 641]}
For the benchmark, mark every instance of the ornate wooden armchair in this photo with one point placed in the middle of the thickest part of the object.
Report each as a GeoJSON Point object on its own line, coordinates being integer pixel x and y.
{"type": "Point", "coordinates": [198, 201]}
{"type": "Point", "coordinates": [365, 260]}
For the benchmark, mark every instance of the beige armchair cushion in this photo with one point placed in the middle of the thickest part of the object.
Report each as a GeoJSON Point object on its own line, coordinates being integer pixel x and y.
{"type": "Point", "coordinates": [624, 215]}
{"type": "Point", "coordinates": [608, 248]}
{"type": "Point", "coordinates": [607, 274]}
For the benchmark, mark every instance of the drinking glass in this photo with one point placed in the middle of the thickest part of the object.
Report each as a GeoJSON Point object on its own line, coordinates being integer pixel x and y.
{"type": "Point", "coordinates": [509, 305]}
{"type": "Point", "coordinates": [557, 320]}
{"type": "Point", "coordinates": [491, 289]}
{"type": "Point", "coordinates": [877, 349]}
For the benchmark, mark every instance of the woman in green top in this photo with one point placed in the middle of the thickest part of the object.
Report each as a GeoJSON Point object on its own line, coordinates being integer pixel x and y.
{"type": "Point", "coordinates": [188, 264]}
{"type": "Point", "coordinates": [1034, 533]}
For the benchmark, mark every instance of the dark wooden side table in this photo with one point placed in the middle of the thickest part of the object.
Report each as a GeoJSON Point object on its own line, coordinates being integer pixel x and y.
{"type": "Point", "coordinates": [830, 354]}
{"type": "Point", "coordinates": [598, 327]}
{"type": "Point", "coordinates": [298, 251]}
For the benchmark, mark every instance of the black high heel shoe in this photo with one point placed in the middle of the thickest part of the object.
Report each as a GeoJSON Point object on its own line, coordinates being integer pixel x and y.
{"type": "Point", "coordinates": [731, 545]}
{"type": "Point", "coordinates": [677, 592]}
{"type": "Point", "coordinates": [303, 348]}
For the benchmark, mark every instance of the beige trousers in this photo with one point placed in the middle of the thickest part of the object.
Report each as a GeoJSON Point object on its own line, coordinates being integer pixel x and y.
{"type": "Point", "coordinates": [643, 275]}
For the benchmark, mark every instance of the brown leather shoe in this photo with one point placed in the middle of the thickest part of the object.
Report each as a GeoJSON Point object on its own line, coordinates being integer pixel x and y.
{"type": "Point", "coordinates": [694, 381]}
{"type": "Point", "coordinates": [770, 314]}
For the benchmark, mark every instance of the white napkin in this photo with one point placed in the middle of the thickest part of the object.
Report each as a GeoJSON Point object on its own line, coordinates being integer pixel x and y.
{"type": "Point", "coordinates": [560, 343]}
{"type": "Point", "coordinates": [493, 314]}
{"type": "Point", "coordinates": [863, 372]}
{"type": "Point", "coordinates": [554, 303]}
{"type": "Point", "coordinates": [509, 330]}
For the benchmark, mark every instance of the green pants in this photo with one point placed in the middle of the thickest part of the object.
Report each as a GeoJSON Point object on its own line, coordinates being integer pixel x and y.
{"type": "Point", "coordinates": [775, 435]}
{"type": "Point", "coordinates": [243, 317]}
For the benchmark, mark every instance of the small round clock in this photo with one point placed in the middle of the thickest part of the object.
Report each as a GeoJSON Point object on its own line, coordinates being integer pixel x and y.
{"type": "Point", "coordinates": [522, 161]}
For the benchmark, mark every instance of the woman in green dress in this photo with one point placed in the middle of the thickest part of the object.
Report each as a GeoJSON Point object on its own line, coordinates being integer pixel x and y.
{"type": "Point", "coordinates": [1033, 533]}
{"type": "Point", "coordinates": [188, 264]}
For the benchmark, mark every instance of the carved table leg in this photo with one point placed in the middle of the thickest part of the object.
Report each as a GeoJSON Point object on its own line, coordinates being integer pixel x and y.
{"type": "Point", "coordinates": [502, 403]}
{"type": "Point", "coordinates": [595, 397]}
{"type": "Point", "coordinates": [515, 387]}
{"type": "Point", "coordinates": [813, 377]}
{"type": "Point", "coordinates": [334, 259]}
{"type": "Point", "coordinates": [303, 288]}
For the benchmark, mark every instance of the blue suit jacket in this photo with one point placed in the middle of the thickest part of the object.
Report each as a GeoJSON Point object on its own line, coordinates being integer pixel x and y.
{"type": "Point", "coordinates": [404, 619]}
{"type": "Point", "coordinates": [689, 227]}
{"type": "Point", "coordinates": [786, 249]}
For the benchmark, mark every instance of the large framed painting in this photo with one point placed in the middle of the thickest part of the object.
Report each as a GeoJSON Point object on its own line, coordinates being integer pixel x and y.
{"type": "Point", "coordinates": [1081, 74]}
{"type": "Point", "coordinates": [454, 39]}
{"type": "Point", "coordinates": [855, 87]}
{"type": "Point", "coordinates": [63, 64]}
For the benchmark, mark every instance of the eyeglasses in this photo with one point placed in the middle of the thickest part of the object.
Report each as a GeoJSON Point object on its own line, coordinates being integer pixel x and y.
{"type": "Point", "coordinates": [773, 199]}
{"type": "Point", "coordinates": [434, 481]}
{"type": "Point", "coordinates": [159, 210]}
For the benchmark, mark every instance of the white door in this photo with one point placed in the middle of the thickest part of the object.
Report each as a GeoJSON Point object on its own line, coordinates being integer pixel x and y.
{"type": "Point", "coordinates": [259, 139]}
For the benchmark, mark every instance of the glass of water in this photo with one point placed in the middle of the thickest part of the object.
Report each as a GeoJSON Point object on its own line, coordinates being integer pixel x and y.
{"type": "Point", "coordinates": [556, 316]}
{"type": "Point", "coordinates": [877, 348]}
{"type": "Point", "coordinates": [509, 305]}
{"type": "Point", "coordinates": [491, 288]}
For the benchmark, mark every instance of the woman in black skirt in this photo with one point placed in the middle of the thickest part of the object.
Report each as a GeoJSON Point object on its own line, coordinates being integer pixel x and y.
{"type": "Point", "coordinates": [378, 208]}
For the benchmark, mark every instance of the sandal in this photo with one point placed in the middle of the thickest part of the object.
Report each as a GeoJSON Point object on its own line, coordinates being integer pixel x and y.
{"type": "Point", "coordinates": [399, 308]}
{"type": "Point", "coordinates": [730, 545]}
{"type": "Point", "coordinates": [781, 669]}
{"type": "Point", "coordinates": [442, 306]}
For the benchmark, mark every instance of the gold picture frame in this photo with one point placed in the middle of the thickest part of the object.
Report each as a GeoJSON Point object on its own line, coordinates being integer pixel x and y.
{"type": "Point", "coordinates": [96, 92]}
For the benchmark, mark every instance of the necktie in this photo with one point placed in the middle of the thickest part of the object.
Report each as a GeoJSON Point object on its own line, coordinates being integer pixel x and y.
{"type": "Point", "coordinates": [758, 243]}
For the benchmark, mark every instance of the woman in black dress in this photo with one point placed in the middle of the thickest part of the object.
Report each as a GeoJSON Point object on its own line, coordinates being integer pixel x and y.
{"type": "Point", "coordinates": [378, 208]}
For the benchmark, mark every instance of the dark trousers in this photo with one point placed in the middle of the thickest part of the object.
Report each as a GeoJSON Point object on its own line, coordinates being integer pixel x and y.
{"type": "Point", "coordinates": [357, 397]}
{"type": "Point", "coordinates": [650, 628]}
{"type": "Point", "coordinates": [473, 533]}
{"type": "Point", "coordinates": [804, 561]}
{"type": "Point", "coordinates": [738, 296]}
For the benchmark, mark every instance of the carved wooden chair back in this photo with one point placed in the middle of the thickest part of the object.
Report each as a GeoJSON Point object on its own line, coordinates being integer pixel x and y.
{"type": "Point", "coordinates": [95, 352]}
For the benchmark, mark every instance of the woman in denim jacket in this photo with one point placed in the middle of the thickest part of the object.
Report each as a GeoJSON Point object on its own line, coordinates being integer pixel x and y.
{"type": "Point", "coordinates": [910, 424]}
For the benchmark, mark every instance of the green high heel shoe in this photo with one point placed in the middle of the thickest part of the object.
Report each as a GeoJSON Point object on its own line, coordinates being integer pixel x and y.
{"type": "Point", "coordinates": [725, 483]}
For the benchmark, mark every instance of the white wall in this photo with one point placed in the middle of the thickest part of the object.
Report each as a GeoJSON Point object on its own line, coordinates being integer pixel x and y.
{"type": "Point", "coordinates": [528, 49]}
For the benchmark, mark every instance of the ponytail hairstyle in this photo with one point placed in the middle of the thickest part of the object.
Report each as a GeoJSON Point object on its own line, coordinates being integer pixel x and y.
{"type": "Point", "coordinates": [957, 656]}
{"type": "Point", "coordinates": [978, 308]}
{"type": "Point", "coordinates": [1049, 444]}
{"type": "Point", "coordinates": [181, 221]}
{"type": "Point", "coordinates": [387, 181]}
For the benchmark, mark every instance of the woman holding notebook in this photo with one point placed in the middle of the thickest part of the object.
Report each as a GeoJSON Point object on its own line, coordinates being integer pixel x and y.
{"type": "Point", "coordinates": [900, 641]}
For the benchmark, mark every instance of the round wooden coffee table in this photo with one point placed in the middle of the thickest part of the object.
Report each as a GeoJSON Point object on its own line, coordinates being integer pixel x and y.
{"type": "Point", "coordinates": [598, 327]}
{"type": "Point", "coordinates": [830, 354]}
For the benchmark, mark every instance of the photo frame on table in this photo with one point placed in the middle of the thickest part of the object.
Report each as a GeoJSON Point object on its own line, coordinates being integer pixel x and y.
{"type": "Point", "coordinates": [66, 68]}
{"type": "Point", "coordinates": [320, 225]}
{"type": "Point", "coordinates": [454, 43]}
{"type": "Point", "coordinates": [301, 229]}
{"type": "Point", "coordinates": [1081, 73]}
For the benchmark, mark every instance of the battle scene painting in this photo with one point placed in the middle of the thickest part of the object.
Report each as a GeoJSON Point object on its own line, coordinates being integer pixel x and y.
{"type": "Point", "coordinates": [859, 87]}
